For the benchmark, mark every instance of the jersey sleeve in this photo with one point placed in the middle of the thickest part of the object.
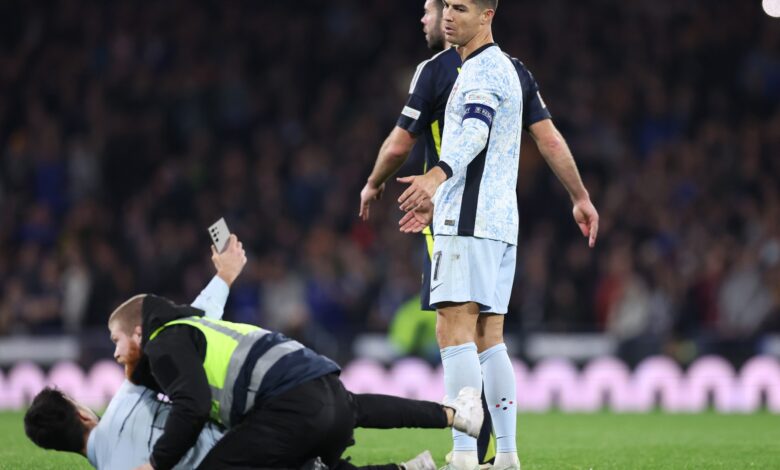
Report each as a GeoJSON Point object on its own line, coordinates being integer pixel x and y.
{"type": "Point", "coordinates": [481, 99]}
{"type": "Point", "coordinates": [213, 298]}
{"type": "Point", "coordinates": [481, 104]}
{"type": "Point", "coordinates": [416, 115]}
{"type": "Point", "coordinates": [534, 107]}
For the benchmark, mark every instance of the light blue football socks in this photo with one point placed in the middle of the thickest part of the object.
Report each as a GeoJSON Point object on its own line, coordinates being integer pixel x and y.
{"type": "Point", "coordinates": [461, 369]}
{"type": "Point", "coordinates": [501, 396]}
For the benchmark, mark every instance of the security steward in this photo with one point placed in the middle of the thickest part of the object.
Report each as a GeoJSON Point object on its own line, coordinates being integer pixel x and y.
{"type": "Point", "coordinates": [282, 403]}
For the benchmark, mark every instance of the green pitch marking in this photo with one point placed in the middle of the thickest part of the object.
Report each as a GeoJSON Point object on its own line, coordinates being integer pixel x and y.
{"type": "Point", "coordinates": [547, 441]}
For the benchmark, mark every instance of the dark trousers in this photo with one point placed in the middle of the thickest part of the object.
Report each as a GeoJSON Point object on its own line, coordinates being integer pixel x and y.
{"type": "Point", "coordinates": [314, 419]}
{"type": "Point", "coordinates": [388, 412]}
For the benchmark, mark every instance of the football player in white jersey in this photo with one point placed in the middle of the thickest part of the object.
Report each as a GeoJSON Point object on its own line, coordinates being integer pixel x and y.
{"type": "Point", "coordinates": [470, 197]}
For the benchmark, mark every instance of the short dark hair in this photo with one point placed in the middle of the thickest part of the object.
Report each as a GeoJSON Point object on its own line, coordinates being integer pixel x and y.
{"type": "Point", "coordinates": [488, 4]}
{"type": "Point", "coordinates": [53, 422]}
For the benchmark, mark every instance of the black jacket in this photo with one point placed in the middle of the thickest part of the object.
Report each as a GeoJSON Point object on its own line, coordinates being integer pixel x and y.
{"type": "Point", "coordinates": [173, 364]}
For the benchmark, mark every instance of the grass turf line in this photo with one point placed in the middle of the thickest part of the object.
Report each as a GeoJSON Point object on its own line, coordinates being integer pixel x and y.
{"type": "Point", "coordinates": [546, 441]}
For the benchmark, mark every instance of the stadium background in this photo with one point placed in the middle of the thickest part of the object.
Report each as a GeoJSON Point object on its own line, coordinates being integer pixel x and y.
{"type": "Point", "coordinates": [126, 129]}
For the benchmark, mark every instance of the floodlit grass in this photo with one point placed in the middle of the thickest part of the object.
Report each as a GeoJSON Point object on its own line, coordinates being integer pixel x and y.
{"type": "Point", "coordinates": [546, 441]}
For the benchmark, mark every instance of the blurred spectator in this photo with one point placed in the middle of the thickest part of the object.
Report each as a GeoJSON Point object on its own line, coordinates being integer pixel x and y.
{"type": "Point", "coordinates": [745, 300]}
{"type": "Point", "coordinates": [76, 288]}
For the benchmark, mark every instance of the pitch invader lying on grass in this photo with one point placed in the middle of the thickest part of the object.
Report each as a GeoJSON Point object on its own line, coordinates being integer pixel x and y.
{"type": "Point", "coordinates": [134, 420]}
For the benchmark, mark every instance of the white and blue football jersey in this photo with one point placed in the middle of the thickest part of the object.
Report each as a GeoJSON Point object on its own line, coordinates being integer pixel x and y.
{"type": "Point", "coordinates": [481, 150]}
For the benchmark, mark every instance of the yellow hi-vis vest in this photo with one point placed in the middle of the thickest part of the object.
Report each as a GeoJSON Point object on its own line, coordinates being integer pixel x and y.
{"type": "Point", "coordinates": [227, 347]}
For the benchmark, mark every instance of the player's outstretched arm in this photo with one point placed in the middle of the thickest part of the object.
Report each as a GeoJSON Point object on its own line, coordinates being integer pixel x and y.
{"type": "Point", "coordinates": [230, 262]}
{"type": "Point", "coordinates": [556, 153]}
{"type": "Point", "coordinates": [392, 155]}
{"type": "Point", "coordinates": [228, 266]}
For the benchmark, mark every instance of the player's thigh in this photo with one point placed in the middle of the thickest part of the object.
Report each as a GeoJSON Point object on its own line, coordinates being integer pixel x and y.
{"type": "Point", "coordinates": [464, 269]}
{"type": "Point", "coordinates": [490, 326]}
{"type": "Point", "coordinates": [425, 289]}
{"type": "Point", "coordinates": [456, 323]}
{"type": "Point", "coordinates": [505, 279]}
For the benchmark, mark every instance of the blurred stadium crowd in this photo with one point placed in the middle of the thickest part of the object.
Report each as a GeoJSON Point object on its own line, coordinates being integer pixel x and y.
{"type": "Point", "coordinates": [127, 129]}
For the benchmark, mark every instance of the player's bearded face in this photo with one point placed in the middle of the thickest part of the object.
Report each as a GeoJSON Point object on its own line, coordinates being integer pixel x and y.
{"type": "Point", "coordinates": [132, 358]}
{"type": "Point", "coordinates": [432, 26]}
{"type": "Point", "coordinates": [128, 347]}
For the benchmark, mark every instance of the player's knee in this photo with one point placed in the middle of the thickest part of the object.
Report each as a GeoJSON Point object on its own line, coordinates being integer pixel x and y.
{"type": "Point", "coordinates": [453, 334]}
{"type": "Point", "coordinates": [443, 336]}
{"type": "Point", "coordinates": [490, 332]}
{"type": "Point", "coordinates": [487, 340]}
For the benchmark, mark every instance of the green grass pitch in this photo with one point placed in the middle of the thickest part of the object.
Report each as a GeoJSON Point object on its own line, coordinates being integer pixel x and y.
{"type": "Point", "coordinates": [546, 441]}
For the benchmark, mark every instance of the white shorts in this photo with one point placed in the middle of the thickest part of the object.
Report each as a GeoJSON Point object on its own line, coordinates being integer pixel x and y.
{"type": "Point", "coordinates": [470, 269]}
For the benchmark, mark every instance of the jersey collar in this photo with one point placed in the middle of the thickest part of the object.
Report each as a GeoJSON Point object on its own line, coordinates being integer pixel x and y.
{"type": "Point", "coordinates": [480, 50]}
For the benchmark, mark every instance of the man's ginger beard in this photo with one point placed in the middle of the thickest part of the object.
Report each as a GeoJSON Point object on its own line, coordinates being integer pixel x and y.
{"type": "Point", "coordinates": [133, 356]}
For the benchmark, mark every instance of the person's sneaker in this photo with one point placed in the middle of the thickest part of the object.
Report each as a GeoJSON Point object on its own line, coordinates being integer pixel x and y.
{"type": "Point", "coordinates": [464, 462]}
{"type": "Point", "coordinates": [488, 466]}
{"type": "Point", "coordinates": [506, 461]}
{"type": "Point", "coordinates": [423, 461]}
{"type": "Point", "coordinates": [450, 466]}
{"type": "Point", "coordinates": [468, 411]}
{"type": "Point", "coordinates": [482, 466]}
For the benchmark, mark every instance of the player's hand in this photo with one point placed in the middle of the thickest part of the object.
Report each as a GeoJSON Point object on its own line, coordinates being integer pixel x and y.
{"type": "Point", "coordinates": [421, 188]}
{"type": "Point", "coordinates": [146, 466]}
{"type": "Point", "coordinates": [230, 262]}
{"type": "Point", "coordinates": [416, 220]}
{"type": "Point", "coordinates": [368, 194]}
{"type": "Point", "coordinates": [587, 219]}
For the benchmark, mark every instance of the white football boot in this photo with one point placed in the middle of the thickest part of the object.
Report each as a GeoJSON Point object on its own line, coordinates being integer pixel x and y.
{"type": "Point", "coordinates": [506, 461]}
{"type": "Point", "coordinates": [464, 460]}
{"type": "Point", "coordinates": [448, 460]}
{"type": "Point", "coordinates": [468, 411]}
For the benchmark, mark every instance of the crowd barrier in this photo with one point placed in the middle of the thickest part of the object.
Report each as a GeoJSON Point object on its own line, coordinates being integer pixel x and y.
{"type": "Point", "coordinates": [602, 384]}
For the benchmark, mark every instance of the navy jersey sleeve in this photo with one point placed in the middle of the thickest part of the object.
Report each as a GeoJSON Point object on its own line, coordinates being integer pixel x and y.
{"type": "Point", "coordinates": [416, 115]}
{"type": "Point", "coordinates": [534, 107]}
